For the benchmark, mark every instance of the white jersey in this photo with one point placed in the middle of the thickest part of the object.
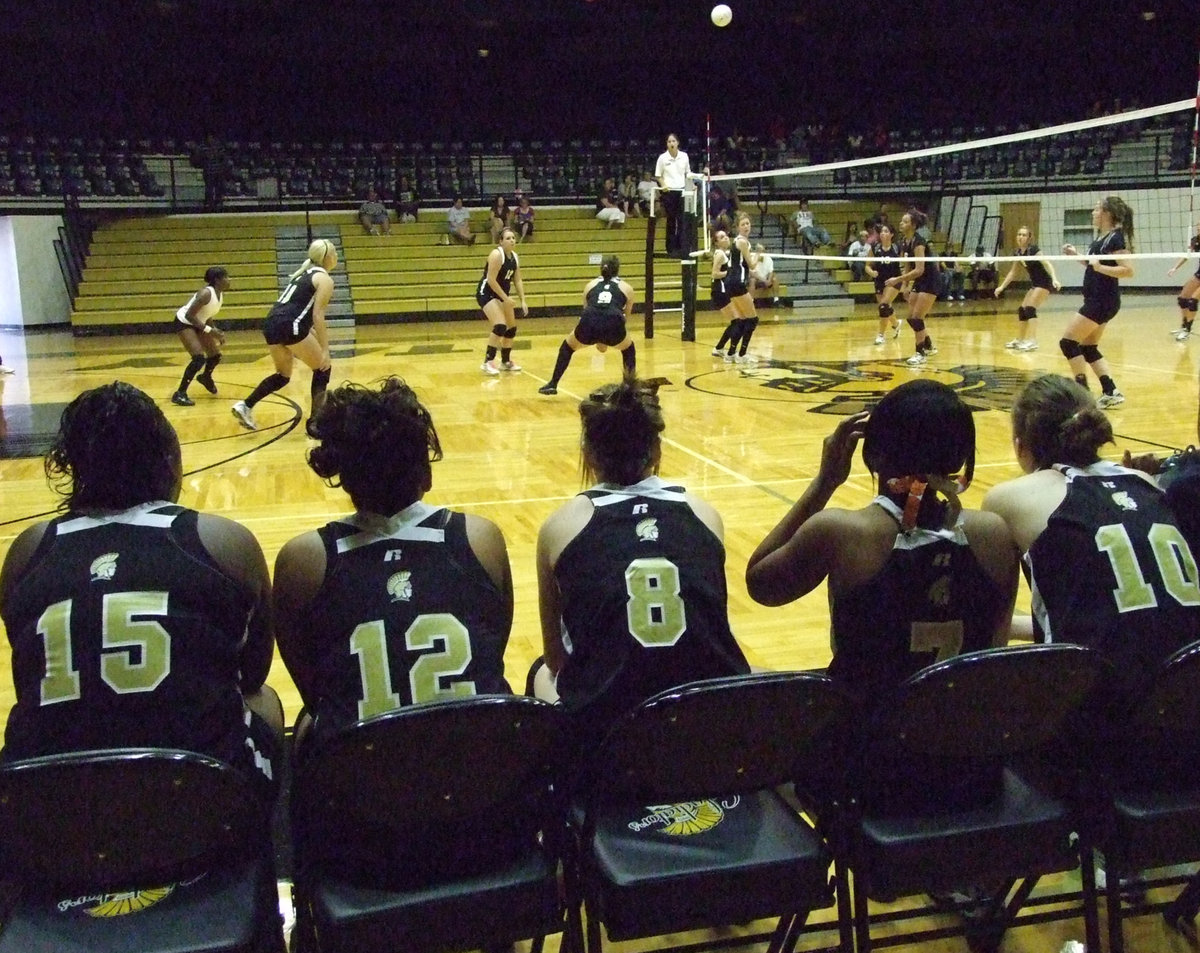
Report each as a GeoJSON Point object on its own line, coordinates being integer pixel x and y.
{"type": "Point", "coordinates": [208, 311]}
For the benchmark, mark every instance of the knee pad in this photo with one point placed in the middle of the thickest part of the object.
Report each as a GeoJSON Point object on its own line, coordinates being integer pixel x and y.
{"type": "Point", "coordinates": [1090, 353]}
{"type": "Point", "coordinates": [195, 363]}
{"type": "Point", "coordinates": [1030, 314]}
{"type": "Point", "coordinates": [276, 382]}
{"type": "Point", "coordinates": [321, 377]}
{"type": "Point", "coordinates": [499, 329]}
{"type": "Point", "coordinates": [916, 324]}
{"type": "Point", "coordinates": [510, 333]}
{"type": "Point", "coordinates": [1188, 304]}
{"type": "Point", "coordinates": [1069, 348]}
{"type": "Point", "coordinates": [886, 310]}
{"type": "Point", "coordinates": [1023, 313]}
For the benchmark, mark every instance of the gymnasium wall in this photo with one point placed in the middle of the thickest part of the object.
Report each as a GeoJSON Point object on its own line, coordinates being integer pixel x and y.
{"type": "Point", "coordinates": [32, 291]}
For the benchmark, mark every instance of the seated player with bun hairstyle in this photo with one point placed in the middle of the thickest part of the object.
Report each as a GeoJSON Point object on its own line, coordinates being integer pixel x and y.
{"type": "Point", "coordinates": [631, 574]}
{"type": "Point", "coordinates": [401, 602]}
{"type": "Point", "coordinates": [134, 621]}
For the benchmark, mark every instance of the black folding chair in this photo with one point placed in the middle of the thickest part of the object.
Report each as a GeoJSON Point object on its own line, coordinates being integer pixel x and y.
{"type": "Point", "coordinates": [937, 806]}
{"type": "Point", "coordinates": [679, 825]}
{"type": "Point", "coordinates": [437, 827]}
{"type": "Point", "coordinates": [135, 851]}
{"type": "Point", "coordinates": [1154, 778]}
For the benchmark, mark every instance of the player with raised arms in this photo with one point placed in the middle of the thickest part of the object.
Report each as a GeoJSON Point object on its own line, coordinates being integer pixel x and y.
{"type": "Point", "coordinates": [1042, 280]}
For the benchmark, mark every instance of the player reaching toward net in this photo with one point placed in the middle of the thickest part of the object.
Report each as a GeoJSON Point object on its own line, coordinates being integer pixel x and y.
{"type": "Point", "coordinates": [879, 272]}
{"type": "Point", "coordinates": [501, 273]}
{"type": "Point", "coordinates": [1187, 294]}
{"type": "Point", "coordinates": [1042, 280]}
{"type": "Point", "coordinates": [925, 278]}
{"type": "Point", "coordinates": [607, 306]}
{"type": "Point", "coordinates": [1101, 295]}
{"type": "Point", "coordinates": [296, 328]}
{"type": "Point", "coordinates": [199, 337]}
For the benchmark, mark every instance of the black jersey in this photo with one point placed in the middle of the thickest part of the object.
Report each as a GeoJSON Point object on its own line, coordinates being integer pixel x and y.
{"type": "Point", "coordinates": [406, 614]}
{"type": "Point", "coordinates": [737, 275]}
{"type": "Point", "coordinates": [1194, 245]}
{"type": "Point", "coordinates": [931, 600]}
{"type": "Point", "coordinates": [885, 269]}
{"type": "Point", "coordinates": [293, 308]}
{"type": "Point", "coordinates": [1112, 570]}
{"type": "Point", "coordinates": [1039, 275]}
{"type": "Point", "coordinates": [504, 277]}
{"type": "Point", "coordinates": [644, 603]}
{"type": "Point", "coordinates": [126, 633]}
{"type": "Point", "coordinates": [1104, 288]}
{"type": "Point", "coordinates": [606, 298]}
{"type": "Point", "coordinates": [930, 279]}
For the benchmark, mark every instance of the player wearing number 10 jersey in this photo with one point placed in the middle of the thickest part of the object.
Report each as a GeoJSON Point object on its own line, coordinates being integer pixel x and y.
{"type": "Point", "coordinates": [135, 622]}
{"type": "Point", "coordinates": [1107, 562]}
{"type": "Point", "coordinates": [401, 602]}
{"type": "Point", "coordinates": [631, 574]}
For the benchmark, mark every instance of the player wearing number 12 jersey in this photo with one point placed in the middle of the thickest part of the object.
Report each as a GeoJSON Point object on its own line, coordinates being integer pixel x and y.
{"type": "Point", "coordinates": [401, 602]}
{"type": "Point", "coordinates": [1107, 562]}
{"type": "Point", "coordinates": [135, 622]}
{"type": "Point", "coordinates": [631, 574]}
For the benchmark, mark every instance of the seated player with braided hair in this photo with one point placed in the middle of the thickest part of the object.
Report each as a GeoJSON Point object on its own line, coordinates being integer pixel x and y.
{"type": "Point", "coordinates": [631, 574]}
{"type": "Point", "coordinates": [401, 602]}
{"type": "Point", "coordinates": [134, 621]}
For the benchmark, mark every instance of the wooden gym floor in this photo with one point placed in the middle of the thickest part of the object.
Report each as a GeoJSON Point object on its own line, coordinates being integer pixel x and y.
{"type": "Point", "coordinates": [745, 437]}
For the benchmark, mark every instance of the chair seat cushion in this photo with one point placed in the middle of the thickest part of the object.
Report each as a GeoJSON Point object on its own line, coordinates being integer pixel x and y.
{"type": "Point", "coordinates": [517, 900]}
{"type": "Point", "coordinates": [1023, 831]}
{"type": "Point", "coordinates": [1155, 829]}
{"type": "Point", "coordinates": [741, 858]}
{"type": "Point", "coordinates": [215, 912]}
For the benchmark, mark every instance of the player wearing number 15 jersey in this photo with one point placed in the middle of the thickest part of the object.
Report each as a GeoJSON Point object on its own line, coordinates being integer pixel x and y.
{"type": "Point", "coordinates": [631, 574]}
{"type": "Point", "coordinates": [1107, 562]}
{"type": "Point", "coordinates": [135, 622]}
{"type": "Point", "coordinates": [401, 602]}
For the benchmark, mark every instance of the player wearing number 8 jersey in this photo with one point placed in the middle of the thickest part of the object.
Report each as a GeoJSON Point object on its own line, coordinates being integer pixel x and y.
{"type": "Point", "coordinates": [135, 622]}
{"type": "Point", "coordinates": [401, 602]}
{"type": "Point", "coordinates": [631, 574]}
{"type": "Point", "coordinates": [1107, 563]}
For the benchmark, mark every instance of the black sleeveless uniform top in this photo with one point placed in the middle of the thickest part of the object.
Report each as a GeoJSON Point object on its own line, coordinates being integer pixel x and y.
{"type": "Point", "coordinates": [504, 277]}
{"type": "Point", "coordinates": [406, 614]}
{"type": "Point", "coordinates": [1104, 288]}
{"type": "Point", "coordinates": [606, 299]}
{"type": "Point", "coordinates": [1039, 277]}
{"type": "Point", "coordinates": [720, 291]}
{"type": "Point", "coordinates": [930, 280]}
{"type": "Point", "coordinates": [292, 312]}
{"type": "Point", "coordinates": [643, 602]}
{"type": "Point", "coordinates": [737, 277]}
{"type": "Point", "coordinates": [1112, 570]}
{"type": "Point", "coordinates": [1194, 245]}
{"type": "Point", "coordinates": [884, 269]}
{"type": "Point", "coordinates": [126, 633]}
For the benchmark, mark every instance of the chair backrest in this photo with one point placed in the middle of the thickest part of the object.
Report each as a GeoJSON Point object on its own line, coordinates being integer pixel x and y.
{"type": "Point", "coordinates": [1174, 700]}
{"type": "Point", "coordinates": [720, 736]}
{"type": "Point", "coordinates": [123, 818]}
{"type": "Point", "coordinates": [438, 784]}
{"type": "Point", "coordinates": [991, 703]}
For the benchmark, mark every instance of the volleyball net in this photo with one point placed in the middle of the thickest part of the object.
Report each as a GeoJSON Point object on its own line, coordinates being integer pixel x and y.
{"type": "Point", "coordinates": [976, 186]}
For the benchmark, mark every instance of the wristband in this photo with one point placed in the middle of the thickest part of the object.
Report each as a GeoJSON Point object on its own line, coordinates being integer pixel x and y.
{"type": "Point", "coordinates": [207, 329]}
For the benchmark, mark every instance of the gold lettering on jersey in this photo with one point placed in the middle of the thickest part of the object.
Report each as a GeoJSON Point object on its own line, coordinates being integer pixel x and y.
{"type": "Point", "coordinates": [686, 819]}
{"type": "Point", "coordinates": [399, 586]}
{"type": "Point", "coordinates": [647, 530]}
{"type": "Point", "coordinates": [104, 567]}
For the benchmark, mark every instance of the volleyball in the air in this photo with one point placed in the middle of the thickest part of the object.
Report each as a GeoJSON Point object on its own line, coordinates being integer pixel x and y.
{"type": "Point", "coordinates": [721, 14]}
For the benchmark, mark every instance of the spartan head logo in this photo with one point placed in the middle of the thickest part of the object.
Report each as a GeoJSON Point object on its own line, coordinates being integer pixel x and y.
{"type": "Point", "coordinates": [1124, 501]}
{"type": "Point", "coordinates": [399, 586]}
{"type": "Point", "coordinates": [647, 529]}
{"type": "Point", "coordinates": [104, 567]}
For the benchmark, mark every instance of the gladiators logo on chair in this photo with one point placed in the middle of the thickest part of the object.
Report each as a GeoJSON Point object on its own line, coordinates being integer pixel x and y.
{"type": "Point", "coordinates": [116, 904]}
{"type": "Point", "coordinates": [686, 819]}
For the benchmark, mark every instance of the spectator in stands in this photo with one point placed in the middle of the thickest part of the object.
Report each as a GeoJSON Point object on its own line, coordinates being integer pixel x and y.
{"type": "Point", "coordinates": [373, 214]}
{"type": "Point", "coordinates": [763, 281]}
{"type": "Point", "coordinates": [608, 208]}
{"type": "Point", "coordinates": [498, 216]}
{"type": "Point", "coordinates": [954, 276]}
{"type": "Point", "coordinates": [407, 201]}
{"type": "Point", "coordinates": [601, 565]}
{"type": "Point", "coordinates": [720, 209]}
{"type": "Point", "coordinates": [860, 248]}
{"type": "Point", "coordinates": [213, 164]}
{"type": "Point", "coordinates": [199, 336]}
{"type": "Point", "coordinates": [378, 443]}
{"type": "Point", "coordinates": [807, 228]}
{"type": "Point", "coordinates": [458, 223]}
{"type": "Point", "coordinates": [981, 274]}
{"type": "Point", "coordinates": [134, 621]}
{"type": "Point", "coordinates": [629, 195]}
{"type": "Point", "coordinates": [523, 219]}
{"type": "Point", "coordinates": [645, 191]}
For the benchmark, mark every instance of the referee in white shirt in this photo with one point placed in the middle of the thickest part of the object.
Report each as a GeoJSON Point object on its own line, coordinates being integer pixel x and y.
{"type": "Point", "coordinates": [672, 170]}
